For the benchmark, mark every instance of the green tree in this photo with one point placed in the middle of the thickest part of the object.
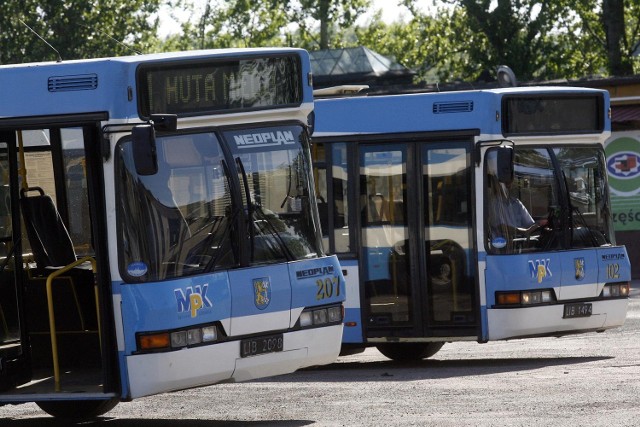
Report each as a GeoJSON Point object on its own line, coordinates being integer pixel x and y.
{"type": "Point", "coordinates": [331, 16]}
{"type": "Point", "coordinates": [311, 24]}
{"type": "Point", "coordinates": [611, 28]}
{"type": "Point", "coordinates": [434, 45]}
{"type": "Point", "coordinates": [232, 23]}
{"type": "Point", "coordinates": [77, 29]}
{"type": "Point", "coordinates": [546, 39]}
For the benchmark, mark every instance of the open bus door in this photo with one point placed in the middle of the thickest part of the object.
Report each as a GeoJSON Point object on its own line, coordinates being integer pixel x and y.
{"type": "Point", "coordinates": [53, 294]}
{"type": "Point", "coordinates": [14, 354]}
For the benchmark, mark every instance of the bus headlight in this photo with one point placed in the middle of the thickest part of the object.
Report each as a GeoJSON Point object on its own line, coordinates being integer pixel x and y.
{"type": "Point", "coordinates": [525, 298]}
{"type": "Point", "coordinates": [176, 339]}
{"type": "Point", "coordinates": [321, 316]}
{"type": "Point", "coordinates": [615, 290]}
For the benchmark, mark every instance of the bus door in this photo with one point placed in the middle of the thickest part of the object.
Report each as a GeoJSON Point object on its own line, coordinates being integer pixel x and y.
{"type": "Point", "coordinates": [14, 349]}
{"type": "Point", "coordinates": [416, 241]}
{"type": "Point", "coordinates": [51, 305]}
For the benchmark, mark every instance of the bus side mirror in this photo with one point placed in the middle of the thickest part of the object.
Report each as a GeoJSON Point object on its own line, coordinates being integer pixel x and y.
{"type": "Point", "coordinates": [145, 157]}
{"type": "Point", "coordinates": [505, 164]}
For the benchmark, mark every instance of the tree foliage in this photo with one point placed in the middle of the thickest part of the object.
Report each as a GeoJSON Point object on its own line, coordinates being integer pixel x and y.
{"type": "Point", "coordinates": [76, 28]}
{"type": "Point", "coordinates": [456, 40]}
{"type": "Point", "coordinates": [311, 24]}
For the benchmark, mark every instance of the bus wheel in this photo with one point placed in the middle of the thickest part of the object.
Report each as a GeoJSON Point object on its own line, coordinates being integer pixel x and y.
{"type": "Point", "coordinates": [78, 409]}
{"type": "Point", "coordinates": [405, 352]}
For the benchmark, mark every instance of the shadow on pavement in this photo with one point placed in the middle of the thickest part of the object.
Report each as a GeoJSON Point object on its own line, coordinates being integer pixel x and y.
{"type": "Point", "coordinates": [427, 369]}
{"type": "Point", "coordinates": [107, 421]}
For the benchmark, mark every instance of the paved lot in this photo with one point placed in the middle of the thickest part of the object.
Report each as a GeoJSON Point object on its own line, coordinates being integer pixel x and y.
{"type": "Point", "coordinates": [583, 380]}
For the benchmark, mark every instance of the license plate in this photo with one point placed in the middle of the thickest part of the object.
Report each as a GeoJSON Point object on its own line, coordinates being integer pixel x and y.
{"type": "Point", "coordinates": [261, 345]}
{"type": "Point", "coordinates": [581, 309]}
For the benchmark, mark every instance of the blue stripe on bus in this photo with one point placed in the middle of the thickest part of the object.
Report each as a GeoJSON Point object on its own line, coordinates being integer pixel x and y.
{"type": "Point", "coordinates": [157, 306]}
{"type": "Point", "coordinates": [352, 334]}
{"type": "Point", "coordinates": [544, 270]}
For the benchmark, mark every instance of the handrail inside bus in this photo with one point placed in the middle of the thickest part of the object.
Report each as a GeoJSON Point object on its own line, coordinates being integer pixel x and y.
{"type": "Point", "coordinates": [52, 320]}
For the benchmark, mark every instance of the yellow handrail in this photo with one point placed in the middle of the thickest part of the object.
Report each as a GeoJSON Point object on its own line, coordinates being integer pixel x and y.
{"type": "Point", "coordinates": [52, 320]}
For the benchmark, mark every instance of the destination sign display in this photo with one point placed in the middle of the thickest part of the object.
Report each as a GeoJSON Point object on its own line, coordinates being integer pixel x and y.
{"type": "Point", "coordinates": [530, 115]}
{"type": "Point", "coordinates": [207, 86]}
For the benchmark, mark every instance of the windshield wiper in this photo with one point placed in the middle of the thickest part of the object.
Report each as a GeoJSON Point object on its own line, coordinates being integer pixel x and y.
{"type": "Point", "coordinates": [575, 209]}
{"type": "Point", "coordinates": [274, 231]}
{"type": "Point", "coordinates": [245, 185]}
{"type": "Point", "coordinates": [227, 231]}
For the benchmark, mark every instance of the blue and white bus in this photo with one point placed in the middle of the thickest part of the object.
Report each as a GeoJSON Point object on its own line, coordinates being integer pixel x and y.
{"type": "Point", "coordinates": [473, 215]}
{"type": "Point", "coordinates": [159, 228]}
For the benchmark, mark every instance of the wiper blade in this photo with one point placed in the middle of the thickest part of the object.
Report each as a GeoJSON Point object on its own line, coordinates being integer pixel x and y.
{"type": "Point", "coordinates": [274, 231]}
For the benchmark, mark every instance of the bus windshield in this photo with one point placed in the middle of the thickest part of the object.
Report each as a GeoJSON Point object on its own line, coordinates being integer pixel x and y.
{"type": "Point", "coordinates": [185, 219]}
{"type": "Point", "coordinates": [547, 207]}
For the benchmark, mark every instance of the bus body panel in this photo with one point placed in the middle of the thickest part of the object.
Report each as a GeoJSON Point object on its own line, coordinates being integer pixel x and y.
{"type": "Point", "coordinates": [548, 320]}
{"type": "Point", "coordinates": [150, 307]}
{"type": "Point", "coordinates": [421, 112]}
{"type": "Point", "coordinates": [65, 83]}
{"type": "Point", "coordinates": [245, 302]}
{"type": "Point", "coordinates": [315, 282]}
{"type": "Point", "coordinates": [172, 371]}
{"type": "Point", "coordinates": [353, 333]}
{"type": "Point", "coordinates": [574, 276]}
{"type": "Point", "coordinates": [260, 299]}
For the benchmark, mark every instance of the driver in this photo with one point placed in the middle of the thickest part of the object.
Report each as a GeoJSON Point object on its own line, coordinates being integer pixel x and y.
{"type": "Point", "coordinates": [506, 210]}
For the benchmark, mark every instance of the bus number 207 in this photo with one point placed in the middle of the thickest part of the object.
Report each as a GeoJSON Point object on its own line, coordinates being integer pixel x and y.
{"type": "Point", "coordinates": [327, 287]}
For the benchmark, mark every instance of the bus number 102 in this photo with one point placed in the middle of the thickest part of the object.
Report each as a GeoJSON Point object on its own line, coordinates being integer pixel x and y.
{"type": "Point", "coordinates": [327, 287]}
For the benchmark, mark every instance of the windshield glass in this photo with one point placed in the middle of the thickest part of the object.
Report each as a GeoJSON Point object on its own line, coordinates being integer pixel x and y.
{"type": "Point", "coordinates": [178, 221]}
{"type": "Point", "coordinates": [273, 166]}
{"type": "Point", "coordinates": [186, 219]}
{"type": "Point", "coordinates": [583, 173]}
{"type": "Point", "coordinates": [543, 208]}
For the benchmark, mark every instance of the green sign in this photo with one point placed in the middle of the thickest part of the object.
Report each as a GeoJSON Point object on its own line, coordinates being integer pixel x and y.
{"type": "Point", "coordinates": [623, 168]}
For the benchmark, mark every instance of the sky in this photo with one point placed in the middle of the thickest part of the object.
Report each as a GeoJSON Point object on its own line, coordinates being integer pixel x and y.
{"type": "Point", "coordinates": [390, 12]}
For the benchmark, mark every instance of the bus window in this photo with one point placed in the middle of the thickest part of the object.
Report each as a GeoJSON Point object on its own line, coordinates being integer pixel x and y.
{"type": "Point", "coordinates": [320, 178]}
{"type": "Point", "coordinates": [340, 198]}
{"type": "Point", "coordinates": [446, 177]}
{"type": "Point", "coordinates": [517, 211]}
{"type": "Point", "coordinates": [586, 186]}
{"type": "Point", "coordinates": [173, 231]}
{"type": "Point", "coordinates": [283, 226]}
{"type": "Point", "coordinates": [76, 189]}
{"type": "Point", "coordinates": [384, 234]}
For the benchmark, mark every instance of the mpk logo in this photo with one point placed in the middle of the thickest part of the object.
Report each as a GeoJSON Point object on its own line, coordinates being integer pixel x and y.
{"type": "Point", "coordinates": [539, 269]}
{"type": "Point", "coordinates": [192, 299]}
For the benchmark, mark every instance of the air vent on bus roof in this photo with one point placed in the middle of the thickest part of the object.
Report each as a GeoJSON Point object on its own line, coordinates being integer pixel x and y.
{"type": "Point", "coordinates": [452, 107]}
{"type": "Point", "coordinates": [76, 82]}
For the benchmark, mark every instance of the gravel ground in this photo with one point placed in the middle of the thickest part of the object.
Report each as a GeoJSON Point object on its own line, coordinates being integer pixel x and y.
{"type": "Point", "coordinates": [583, 380]}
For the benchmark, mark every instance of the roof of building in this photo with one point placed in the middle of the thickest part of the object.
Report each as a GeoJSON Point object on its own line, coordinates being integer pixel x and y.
{"type": "Point", "coordinates": [336, 66]}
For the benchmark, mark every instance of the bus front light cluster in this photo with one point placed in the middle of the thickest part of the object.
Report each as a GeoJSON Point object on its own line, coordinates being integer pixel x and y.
{"type": "Point", "coordinates": [525, 298]}
{"type": "Point", "coordinates": [616, 290]}
{"type": "Point", "coordinates": [321, 316]}
{"type": "Point", "coordinates": [177, 339]}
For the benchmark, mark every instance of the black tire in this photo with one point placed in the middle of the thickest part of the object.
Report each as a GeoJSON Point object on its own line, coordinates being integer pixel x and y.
{"type": "Point", "coordinates": [78, 409]}
{"type": "Point", "coordinates": [406, 352]}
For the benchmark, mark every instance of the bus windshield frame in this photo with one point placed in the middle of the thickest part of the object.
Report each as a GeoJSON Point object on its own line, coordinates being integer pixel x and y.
{"type": "Point", "coordinates": [558, 199]}
{"type": "Point", "coordinates": [221, 199]}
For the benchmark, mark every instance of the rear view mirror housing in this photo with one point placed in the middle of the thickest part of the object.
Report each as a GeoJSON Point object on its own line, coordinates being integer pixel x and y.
{"type": "Point", "coordinates": [145, 156]}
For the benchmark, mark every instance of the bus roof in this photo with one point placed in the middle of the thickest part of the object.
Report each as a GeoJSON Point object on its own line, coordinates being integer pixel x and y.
{"type": "Point", "coordinates": [101, 84]}
{"type": "Point", "coordinates": [473, 110]}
